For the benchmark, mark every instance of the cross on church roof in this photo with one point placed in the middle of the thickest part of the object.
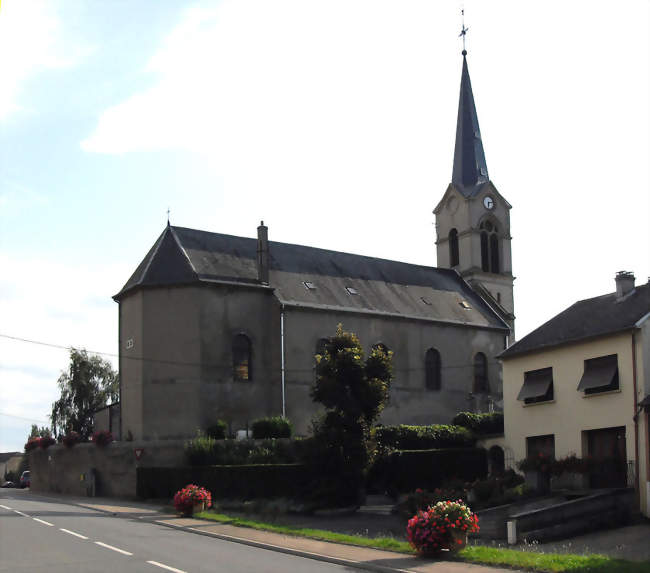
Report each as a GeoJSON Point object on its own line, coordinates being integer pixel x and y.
{"type": "Point", "coordinates": [463, 31]}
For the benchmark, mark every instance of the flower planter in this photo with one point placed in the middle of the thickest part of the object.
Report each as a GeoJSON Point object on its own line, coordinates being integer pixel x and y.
{"type": "Point", "coordinates": [458, 540]}
{"type": "Point", "coordinates": [196, 508]}
{"type": "Point", "coordinates": [570, 480]}
{"type": "Point", "coordinates": [539, 481]}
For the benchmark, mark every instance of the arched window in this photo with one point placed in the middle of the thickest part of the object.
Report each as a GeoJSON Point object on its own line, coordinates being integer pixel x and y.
{"type": "Point", "coordinates": [380, 346]}
{"type": "Point", "coordinates": [454, 256]}
{"type": "Point", "coordinates": [480, 374]}
{"type": "Point", "coordinates": [242, 362]}
{"type": "Point", "coordinates": [321, 345]}
{"type": "Point", "coordinates": [432, 369]}
{"type": "Point", "coordinates": [489, 247]}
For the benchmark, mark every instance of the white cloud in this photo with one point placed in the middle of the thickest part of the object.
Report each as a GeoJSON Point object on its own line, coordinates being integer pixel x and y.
{"type": "Point", "coordinates": [31, 40]}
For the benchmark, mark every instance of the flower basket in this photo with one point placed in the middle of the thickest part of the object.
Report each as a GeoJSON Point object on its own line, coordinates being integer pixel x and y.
{"type": "Point", "coordinates": [102, 438]}
{"type": "Point", "coordinates": [192, 499]}
{"type": "Point", "coordinates": [70, 439]}
{"type": "Point", "coordinates": [441, 527]}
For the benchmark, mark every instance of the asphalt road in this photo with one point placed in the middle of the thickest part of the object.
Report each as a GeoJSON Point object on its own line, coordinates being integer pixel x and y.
{"type": "Point", "coordinates": [37, 534]}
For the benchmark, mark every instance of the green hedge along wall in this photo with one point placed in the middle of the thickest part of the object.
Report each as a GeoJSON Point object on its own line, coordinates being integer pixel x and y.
{"type": "Point", "coordinates": [404, 437]}
{"type": "Point", "coordinates": [234, 482]}
{"type": "Point", "coordinates": [404, 471]}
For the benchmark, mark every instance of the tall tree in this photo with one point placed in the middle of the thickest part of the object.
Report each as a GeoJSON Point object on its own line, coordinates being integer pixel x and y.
{"type": "Point", "coordinates": [37, 432]}
{"type": "Point", "coordinates": [354, 391]}
{"type": "Point", "coordinates": [89, 384]}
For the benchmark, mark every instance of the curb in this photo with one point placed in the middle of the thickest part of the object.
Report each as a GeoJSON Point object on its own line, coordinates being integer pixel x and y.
{"type": "Point", "coordinates": [289, 551]}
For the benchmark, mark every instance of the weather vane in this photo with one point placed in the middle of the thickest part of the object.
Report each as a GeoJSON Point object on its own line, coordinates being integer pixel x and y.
{"type": "Point", "coordinates": [463, 31]}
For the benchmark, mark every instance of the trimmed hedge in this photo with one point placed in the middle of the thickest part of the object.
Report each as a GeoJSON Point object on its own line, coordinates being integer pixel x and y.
{"type": "Point", "coordinates": [272, 427]}
{"type": "Point", "coordinates": [432, 437]}
{"type": "Point", "coordinates": [233, 482]}
{"type": "Point", "coordinates": [206, 451]}
{"type": "Point", "coordinates": [407, 470]}
{"type": "Point", "coordinates": [217, 431]}
{"type": "Point", "coordinates": [480, 424]}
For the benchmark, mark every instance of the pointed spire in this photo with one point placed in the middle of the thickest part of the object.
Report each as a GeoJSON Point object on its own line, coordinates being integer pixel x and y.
{"type": "Point", "coordinates": [470, 168]}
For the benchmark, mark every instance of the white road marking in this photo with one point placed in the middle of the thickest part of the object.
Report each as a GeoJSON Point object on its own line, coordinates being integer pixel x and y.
{"type": "Point", "coordinates": [5, 507]}
{"type": "Point", "coordinates": [43, 522]}
{"type": "Point", "coordinates": [113, 548]}
{"type": "Point", "coordinates": [73, 533]}
{"type": "Point", "coordinates": [162, 566]}
{"type": "Point", "coordinates": [20, 513]}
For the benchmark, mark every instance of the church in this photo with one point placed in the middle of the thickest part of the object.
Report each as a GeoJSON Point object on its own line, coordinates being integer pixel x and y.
{"type": "Point", "coordinates": [213, 326]}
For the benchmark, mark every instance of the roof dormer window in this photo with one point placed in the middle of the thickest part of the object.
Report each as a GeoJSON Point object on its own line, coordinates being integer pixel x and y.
{"type": "Point", "coordinates": [352, 290]}
{"type": "Point", "coordinates": [309, 285]}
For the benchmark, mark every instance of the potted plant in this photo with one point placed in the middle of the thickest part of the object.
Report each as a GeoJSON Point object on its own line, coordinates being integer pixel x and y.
{"type": "Point", "coordinates": [440, 527]}
{"type": "Point", "coordinates": [71, 438]}
{"type": "Point", "coordinates": [102, 438]}
{"type": "Point", "coordinates": [192, 499]}
{"type": "Point", "coordinates": [45, 442]}
{"type": "Point", "coordinates": [537, 471]}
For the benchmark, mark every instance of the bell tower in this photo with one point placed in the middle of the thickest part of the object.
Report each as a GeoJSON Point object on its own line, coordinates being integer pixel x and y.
{"type": "Point", "coordinates": [473, 218]}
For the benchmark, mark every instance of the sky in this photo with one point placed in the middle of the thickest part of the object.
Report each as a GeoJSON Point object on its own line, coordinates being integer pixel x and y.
{"type": "Point", "coordinates": [333, 121]}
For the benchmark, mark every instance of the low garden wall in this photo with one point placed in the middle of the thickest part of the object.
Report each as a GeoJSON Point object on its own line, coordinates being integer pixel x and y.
{"type": "Point", "coordinates": [110, 471]}
{"type": "Point", "coordinates": [239, 482]}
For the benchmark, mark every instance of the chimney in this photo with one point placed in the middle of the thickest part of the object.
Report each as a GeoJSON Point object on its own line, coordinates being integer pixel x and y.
{"type": "Point", "coordinates": [263, 253]}
{"type": "Point", "coordinates": [624, 283]}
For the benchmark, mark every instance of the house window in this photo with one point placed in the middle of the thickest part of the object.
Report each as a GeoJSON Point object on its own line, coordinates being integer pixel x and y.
{"type": "Point", "coordinates": [453, 248]}
{"type": "Point", "coordinates": [432, 369]}
{"type": "Point", "coordinates": [242, 358]}
{"type": "Point", "coordinates": [537, 387]}
{"type": "Point", "coordinates": [600, 375]}
{"type": "Point", "coordinates": [489, 247]}
{"type": "Point", "coordinates": [540, 445]}
{"type": "Point", "coordinates": [480, 374]}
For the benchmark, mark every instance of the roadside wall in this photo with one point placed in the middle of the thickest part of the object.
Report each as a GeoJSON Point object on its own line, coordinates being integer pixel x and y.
{"type": "Point", "coordinates": [69, 470]}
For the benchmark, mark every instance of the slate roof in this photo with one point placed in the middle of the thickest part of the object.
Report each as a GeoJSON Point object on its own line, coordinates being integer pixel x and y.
{"type": "Point", "coordinates": [599, 316]}
{"type": "Point", "coordinates": [470, 172]}
{"type": "Point", "coordinates": [187, 256]}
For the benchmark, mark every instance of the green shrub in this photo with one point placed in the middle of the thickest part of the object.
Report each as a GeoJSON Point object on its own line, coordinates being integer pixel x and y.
{"type": "Point", "coordinates": [405, 437]}
{"type": "Point", "coordinates": [272, 427]}
{"type": "Point", "coordinates": [206, 451]}
{"type": "Point", "coordinates": [218, 430]}
{"type": "Point", "coordinates": [404, 471]}
{"type": "Point", "coordinates": [480, 424]}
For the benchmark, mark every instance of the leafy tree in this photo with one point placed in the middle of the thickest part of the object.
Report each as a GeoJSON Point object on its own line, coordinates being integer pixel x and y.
{"type": "Point", "coordinates": [354, 391]}
{"type": "Point", "coordinates": [37, 432]}
{"type": "Point", "coordinates": [89, 385]}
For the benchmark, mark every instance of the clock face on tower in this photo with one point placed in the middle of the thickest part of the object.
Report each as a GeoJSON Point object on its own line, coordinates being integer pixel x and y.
{"type": "Point", "coordinates": [488, 202]}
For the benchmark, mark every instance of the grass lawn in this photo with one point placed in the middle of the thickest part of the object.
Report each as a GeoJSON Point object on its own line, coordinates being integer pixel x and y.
{"type": "Point", "coordinates": [530, 561]}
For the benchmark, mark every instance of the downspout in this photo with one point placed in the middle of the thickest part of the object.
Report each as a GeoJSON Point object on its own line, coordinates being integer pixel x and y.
{"type": "Point", "coordinates": [284, 412]}
{"type": "Point", "coordinates": [636, 422]}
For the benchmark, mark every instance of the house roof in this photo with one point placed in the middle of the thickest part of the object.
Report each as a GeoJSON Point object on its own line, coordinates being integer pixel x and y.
{"type": "Point", "coordinates": [599, 316]}
{"type": "Point", "coordinates": [384, 287]}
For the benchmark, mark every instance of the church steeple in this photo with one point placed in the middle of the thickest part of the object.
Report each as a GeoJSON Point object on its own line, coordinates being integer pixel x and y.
{"type": "Point", "coordinates": [470, 168]}
{"type": "Point", "coordinates": [473, 218]}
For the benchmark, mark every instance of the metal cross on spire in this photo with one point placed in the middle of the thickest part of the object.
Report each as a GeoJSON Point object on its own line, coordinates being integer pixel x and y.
{"type": "Point", "coordinates": [463, 31]}
{"type": "Point", "coordinates": [168, 216]}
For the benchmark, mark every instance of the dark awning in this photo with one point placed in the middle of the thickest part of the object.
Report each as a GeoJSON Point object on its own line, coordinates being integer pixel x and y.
{"type": "Point", "coordinates": [536, 384]}
{"type": "Point", "coordinates": [599, 372]}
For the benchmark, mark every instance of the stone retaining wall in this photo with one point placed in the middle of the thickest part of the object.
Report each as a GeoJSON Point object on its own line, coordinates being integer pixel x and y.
{"type": "Point", "coordinates": [109, 471]}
